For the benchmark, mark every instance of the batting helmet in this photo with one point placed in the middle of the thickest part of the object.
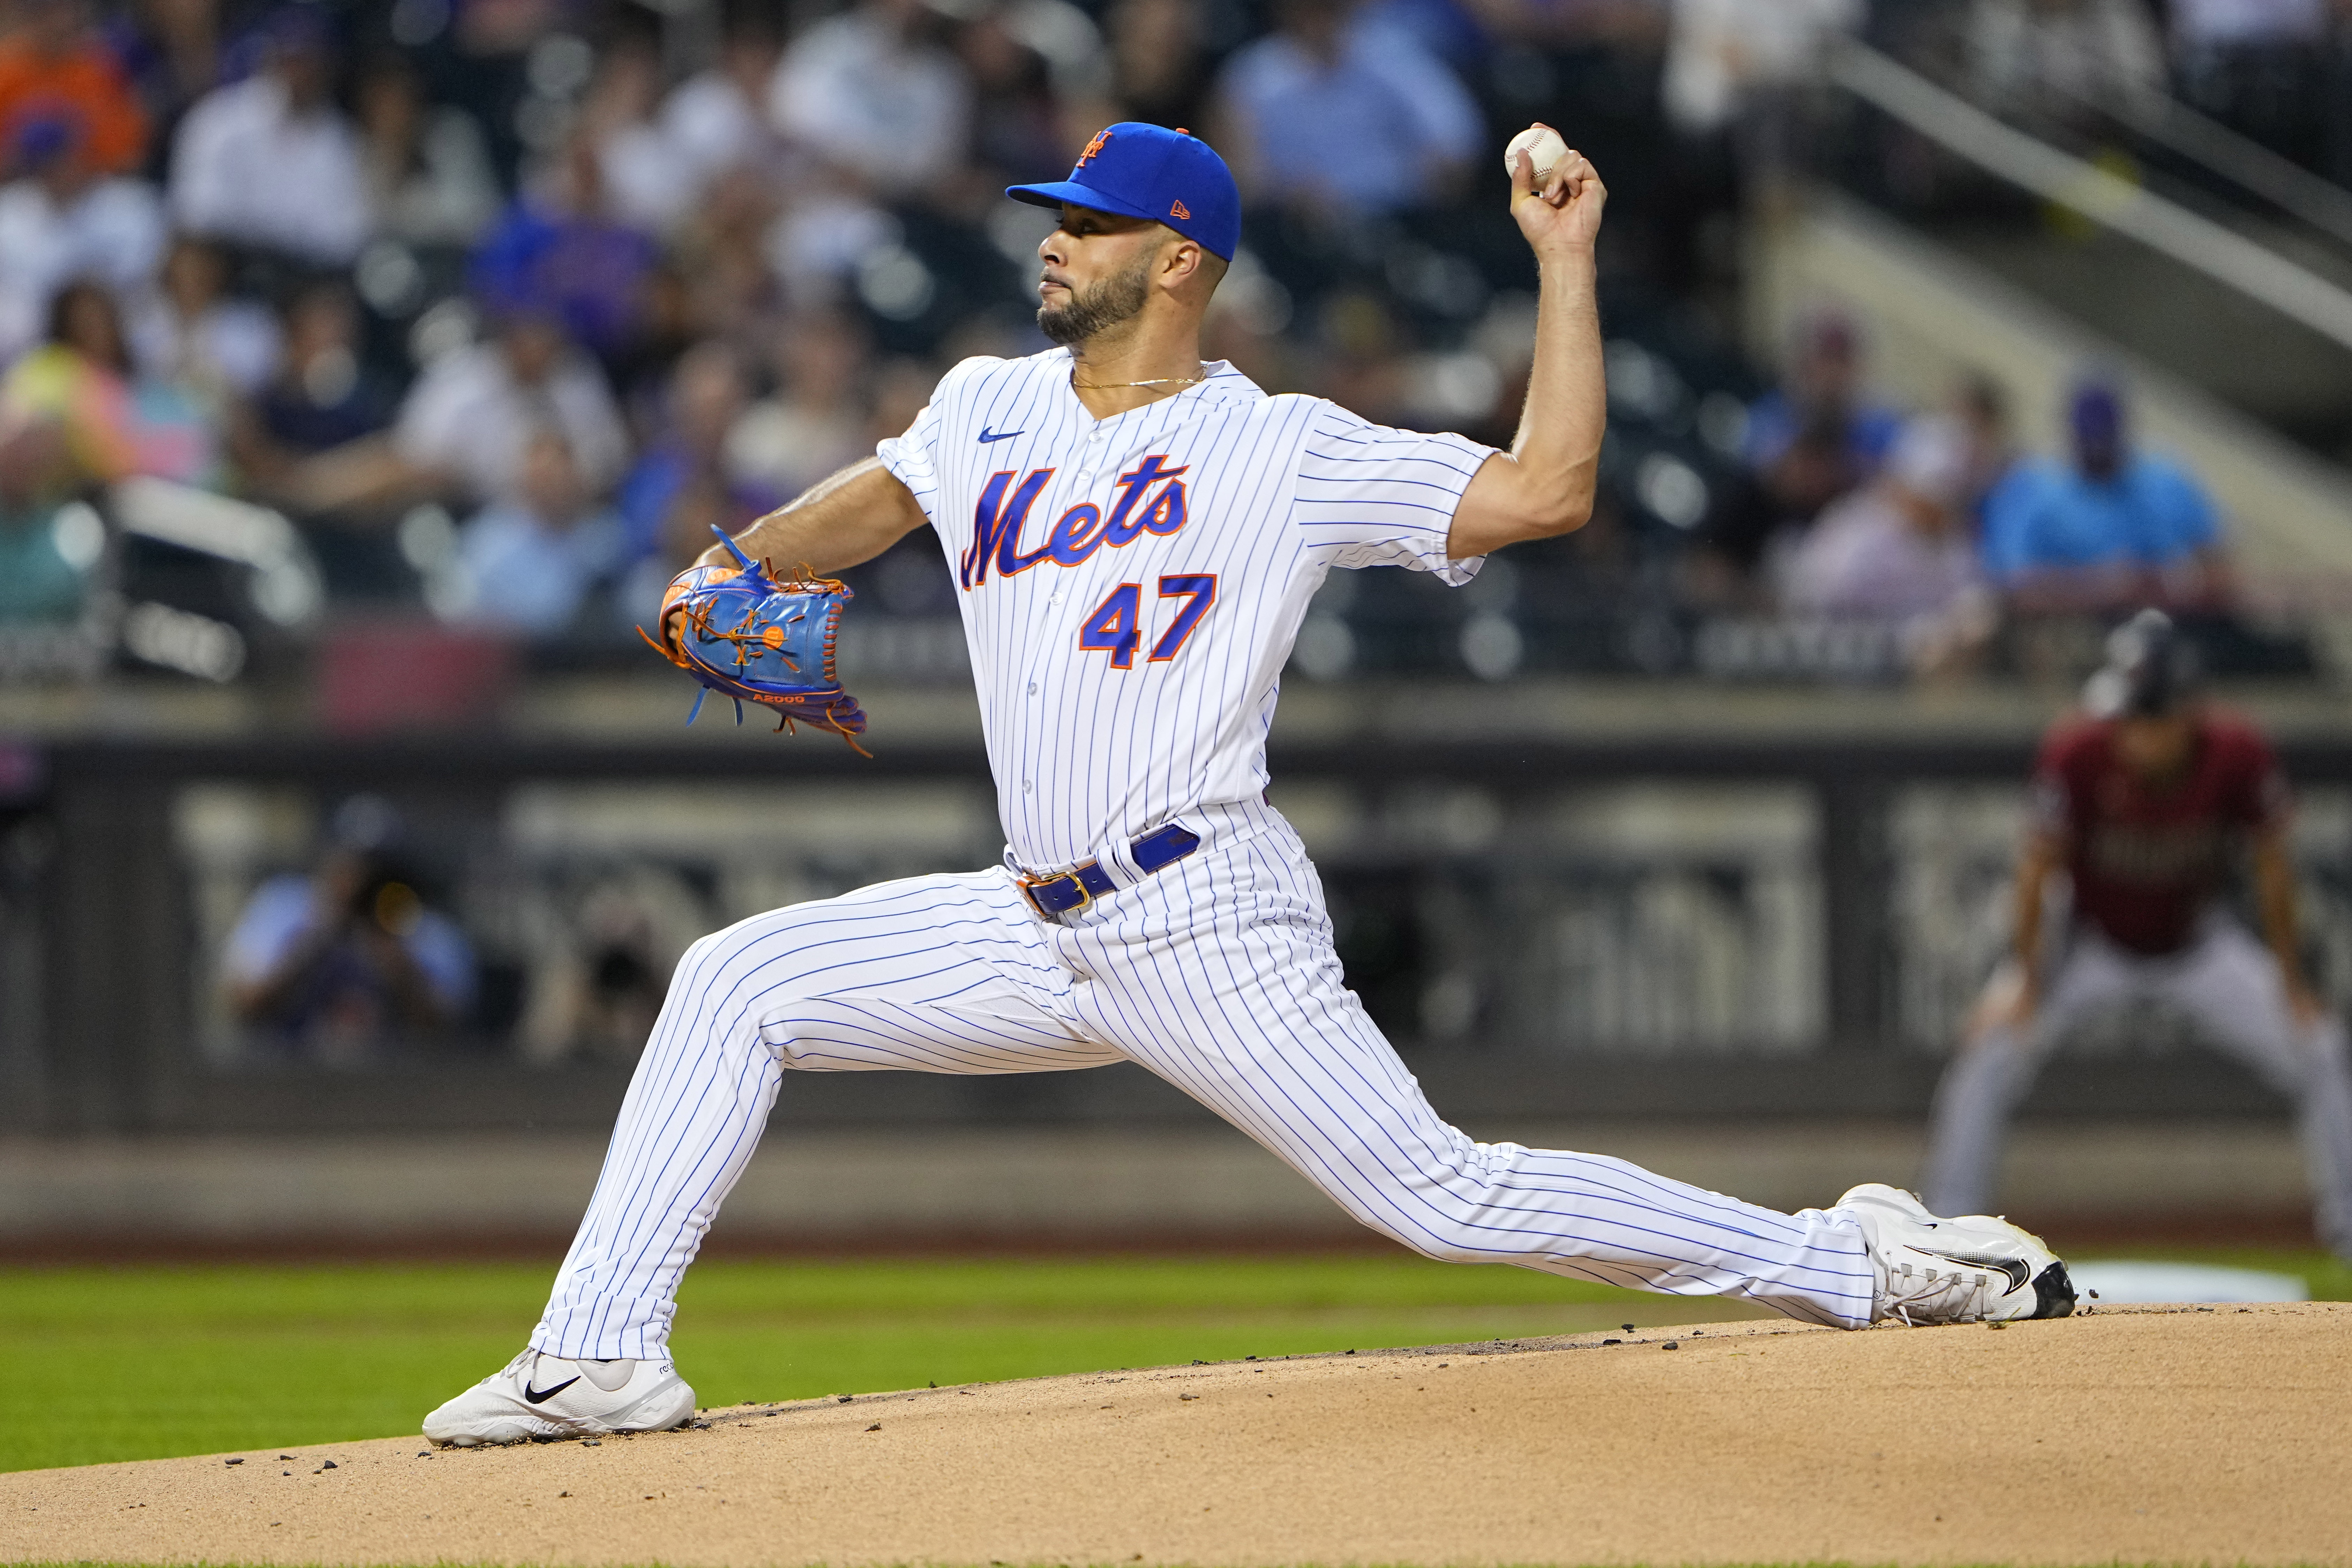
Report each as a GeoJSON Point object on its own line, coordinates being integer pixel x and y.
{"type": "Point", "coordinates": [2151, 669]}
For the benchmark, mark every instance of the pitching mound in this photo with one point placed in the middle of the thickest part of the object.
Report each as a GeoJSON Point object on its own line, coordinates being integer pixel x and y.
{"type": "Point", "coordinates": [2147, 1435]}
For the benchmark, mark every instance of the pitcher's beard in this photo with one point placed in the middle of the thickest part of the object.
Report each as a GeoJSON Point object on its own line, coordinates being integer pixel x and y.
{"type": "Point", "coordinates": [1116, 299]}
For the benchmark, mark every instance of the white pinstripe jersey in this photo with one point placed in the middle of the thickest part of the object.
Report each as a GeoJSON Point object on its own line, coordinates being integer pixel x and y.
{"type": "Point", "coordinates": [1131, 586]}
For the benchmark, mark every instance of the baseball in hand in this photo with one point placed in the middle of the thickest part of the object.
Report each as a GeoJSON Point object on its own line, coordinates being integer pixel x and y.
{"type": "Point", "coordinates": [1544, 148]}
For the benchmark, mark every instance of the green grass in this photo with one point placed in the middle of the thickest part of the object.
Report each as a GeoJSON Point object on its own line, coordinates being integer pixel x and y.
{"type": "Point", "coordinates": [145, 1362]}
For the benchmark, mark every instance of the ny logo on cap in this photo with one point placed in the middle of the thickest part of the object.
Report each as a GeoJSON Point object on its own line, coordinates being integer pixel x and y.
{"type": "Point", "coordinates": [1093, 147]}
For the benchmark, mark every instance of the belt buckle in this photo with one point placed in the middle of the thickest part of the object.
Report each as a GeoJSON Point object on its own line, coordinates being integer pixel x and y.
{"type": "Point", "coordinates": [1029, 885]}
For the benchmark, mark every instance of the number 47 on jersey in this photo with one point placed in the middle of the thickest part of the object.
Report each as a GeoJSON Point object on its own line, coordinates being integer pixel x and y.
{"type": "Point", "coordinates": [1116, 626]}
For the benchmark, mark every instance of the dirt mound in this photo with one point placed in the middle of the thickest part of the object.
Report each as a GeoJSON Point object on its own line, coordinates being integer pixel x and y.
{"type": "Point", "coordinates": [2148, 1435]}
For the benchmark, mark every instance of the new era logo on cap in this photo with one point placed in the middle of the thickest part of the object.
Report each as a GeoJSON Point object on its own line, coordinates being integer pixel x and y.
{"type": "Point", "coordinates": [1150, 172]}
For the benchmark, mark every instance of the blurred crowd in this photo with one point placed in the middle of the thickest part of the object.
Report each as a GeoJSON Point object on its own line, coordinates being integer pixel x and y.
{"type": "Point", "coordinates": [508, 303]}
{"type": "Point", "coordinates": [1936, 529]}
{"type": "Point", "coordinates": [2278, 73]}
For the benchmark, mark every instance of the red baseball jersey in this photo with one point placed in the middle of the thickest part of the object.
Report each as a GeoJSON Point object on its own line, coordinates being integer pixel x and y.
{"type": "Point", "coordinates": [2145, 860]}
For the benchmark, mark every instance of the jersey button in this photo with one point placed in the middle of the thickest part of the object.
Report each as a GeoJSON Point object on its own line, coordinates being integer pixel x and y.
{"type": "Point", "coordinates": [1027, 786]}
{"type": "Point", "coordinates": [1033, 688]}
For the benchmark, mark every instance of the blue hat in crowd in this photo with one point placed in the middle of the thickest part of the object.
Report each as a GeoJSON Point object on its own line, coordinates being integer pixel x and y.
{"type": "Point", "coordinates": [2095, 411]}
{"type": "Point", "coordinates": [1153, 173]}
{"type": "Point", "coordinates": [42, 138]}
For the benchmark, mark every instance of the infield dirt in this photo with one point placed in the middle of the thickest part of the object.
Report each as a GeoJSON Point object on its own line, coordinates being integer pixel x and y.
{"type": "Point", "coordinates": [2134, 1435]}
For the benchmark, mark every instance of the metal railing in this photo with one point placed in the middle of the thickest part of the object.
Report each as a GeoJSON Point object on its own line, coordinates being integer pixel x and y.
{"type": "Point", "coordinates": [2103, 196]}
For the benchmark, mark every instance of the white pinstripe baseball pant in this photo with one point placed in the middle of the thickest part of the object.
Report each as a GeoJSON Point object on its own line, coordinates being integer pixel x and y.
{"type": "Point", "coordinates": [1219, 975]}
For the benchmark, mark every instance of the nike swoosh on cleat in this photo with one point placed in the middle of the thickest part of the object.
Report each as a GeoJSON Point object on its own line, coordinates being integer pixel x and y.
{"type": "Point", "coordinates": [2016, 1268]}
{"type": "Point", "coordinates": [988, 437]}
{"type": "Point", "coordinates": [541, 1395]}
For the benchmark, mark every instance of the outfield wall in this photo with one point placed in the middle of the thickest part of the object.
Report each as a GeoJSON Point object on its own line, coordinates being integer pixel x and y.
{"type": "Point", "coordinates": [521, 1193]}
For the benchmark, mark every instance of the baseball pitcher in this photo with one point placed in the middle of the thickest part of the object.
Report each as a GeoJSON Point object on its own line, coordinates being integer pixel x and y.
{"type": "Point", "coordinates": [2144, 804]}
{"type": "Point", "coordinates": [1134, 536]}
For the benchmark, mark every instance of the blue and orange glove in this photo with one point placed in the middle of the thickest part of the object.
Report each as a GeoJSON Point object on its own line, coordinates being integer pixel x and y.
{"type": "Point", "coordinates": [744, 635]}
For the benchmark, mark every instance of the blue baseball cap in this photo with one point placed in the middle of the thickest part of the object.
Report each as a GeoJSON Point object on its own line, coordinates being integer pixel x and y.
{"type": "Point", "coordinates": [1153, 173]}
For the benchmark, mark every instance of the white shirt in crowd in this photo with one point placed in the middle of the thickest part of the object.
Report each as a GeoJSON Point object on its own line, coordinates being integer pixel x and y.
{"type": "Point", "coordinates": [468, 417]}
{"type": "Point", "coordinates": [245, 168]}
{"type": "Point", "coordinates": [1865, 559]}
{"type": "Point", "coordinates": [112, 231]}
{"type": "Point", "coordinates": [2020, 51]}
{"type": "Point", "coordinates": [449, 196]}
{"type": "Point", "coordinates": [2224, 23]}
{"type": "Point", "coordinates": [1718, 52]}
{"type": "Point", "coordinates": [714, 127]}
{"type": "Point", "coordinates": [854, 91]}
{"type": "Point", "coordinates": [231, 346]}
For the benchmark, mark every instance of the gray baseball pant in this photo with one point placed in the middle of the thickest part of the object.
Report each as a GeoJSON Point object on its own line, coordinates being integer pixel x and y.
{"type": "Point", "coordinates": [2229, 985]}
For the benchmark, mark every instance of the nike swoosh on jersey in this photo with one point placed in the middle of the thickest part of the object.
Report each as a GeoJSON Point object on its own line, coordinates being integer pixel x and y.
{"type": "Point", "coordinates": [541, 1395]}
{"type": "Point", "coordinates": [988, 435]}
{"type": "Point", "coordinates": [2015, 1268]}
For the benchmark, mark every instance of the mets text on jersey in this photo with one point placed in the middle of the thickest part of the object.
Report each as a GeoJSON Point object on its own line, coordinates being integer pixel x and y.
{"type": "Point", "coordinates": [1078, 533]}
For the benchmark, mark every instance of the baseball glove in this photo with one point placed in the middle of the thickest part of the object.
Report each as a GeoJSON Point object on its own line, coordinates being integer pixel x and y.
{"type": "Point", "coordinates": [744, 635]}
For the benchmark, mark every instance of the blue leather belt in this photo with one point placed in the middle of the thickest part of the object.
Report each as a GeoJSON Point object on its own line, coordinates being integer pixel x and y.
{"type": "Point", "coordinates": [1082, 885]}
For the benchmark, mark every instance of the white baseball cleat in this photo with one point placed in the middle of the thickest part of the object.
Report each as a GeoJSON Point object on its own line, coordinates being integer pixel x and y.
{"type": "Point", "coordinates": [540, 1395]}
{"type": "Point", "coordinates": [1972, 1270]}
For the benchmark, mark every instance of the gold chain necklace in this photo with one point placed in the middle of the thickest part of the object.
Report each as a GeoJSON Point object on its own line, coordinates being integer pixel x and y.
{"type": "Point", "coordinates": [1116, 386]}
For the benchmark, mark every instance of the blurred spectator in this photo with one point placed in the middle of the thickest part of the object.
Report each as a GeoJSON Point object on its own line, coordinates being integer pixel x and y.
{"type": "Point", "coordinates": [561, 254]}
{"type": "Point", "coordinates": [1899, 550]}
{"type": "Point", "coordinates": [646, 180]}
{"type": "Point", "coordinates": [196, 336]}
{"type": "Point", "coordinates": [54, 66]}
{"type": "Point", "coordinates": [270, 162]}
{"type": "Point", "coordinates": [901, 388]}
{"type": "Point", "coordinates": [337, 964]}
{"type": "Point", "coordinates": [470, 415]}
{"type": "Point", "coordinates": [717, 120]}
{"type": "Point", "coordinates": [461, 431]}
{"type": "Point", "coordinates": [1823, 389]}
{"type": "Point", "coordinates": [1335, 115]}
{"type": "Point", "coordinates": [1805, 443]}
{"type": "Point", "coordinates": [1740, 69]}
{"type": "Point", "coordinates": [429, 180]}
{"type": "Point", "coordinates": [530, 562]}
{"type": "Point", "coordinates": [870, 92]}
{"type": "Point", "coordinates": [722, 253]}
{"type": "Point", "coordinates": [1160, 70]}
{"type": "Point", "coordinates": [114, 424]}
{"type": "Point", "coordinates": [706, 397]}
{"type": "Point", "coordinates": [1982, 408]}
{"type": "Point", "coordinates": [323, 395]}
{"type": "Point", "coordinates": [61, 218]}
{"type": "Point", "coordinates": [2055, 56]}
{"type": "Point", "coordinates": [814, 422]}
{"type": "Point", "coordinates": [1034, 67]}
{"type": "Point", "coordinates": [1758, 515]}
{"type": "Point", "coordinates": [46, 555]}
{"type": "Point", "coordinates": [2109, 528]}
{"type": "Point", "coordinates": [2257, 65]}
{"type": "Point", "coordinates": [604, 962]}
{"type": "Point", "coordinates": [170, 53]}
